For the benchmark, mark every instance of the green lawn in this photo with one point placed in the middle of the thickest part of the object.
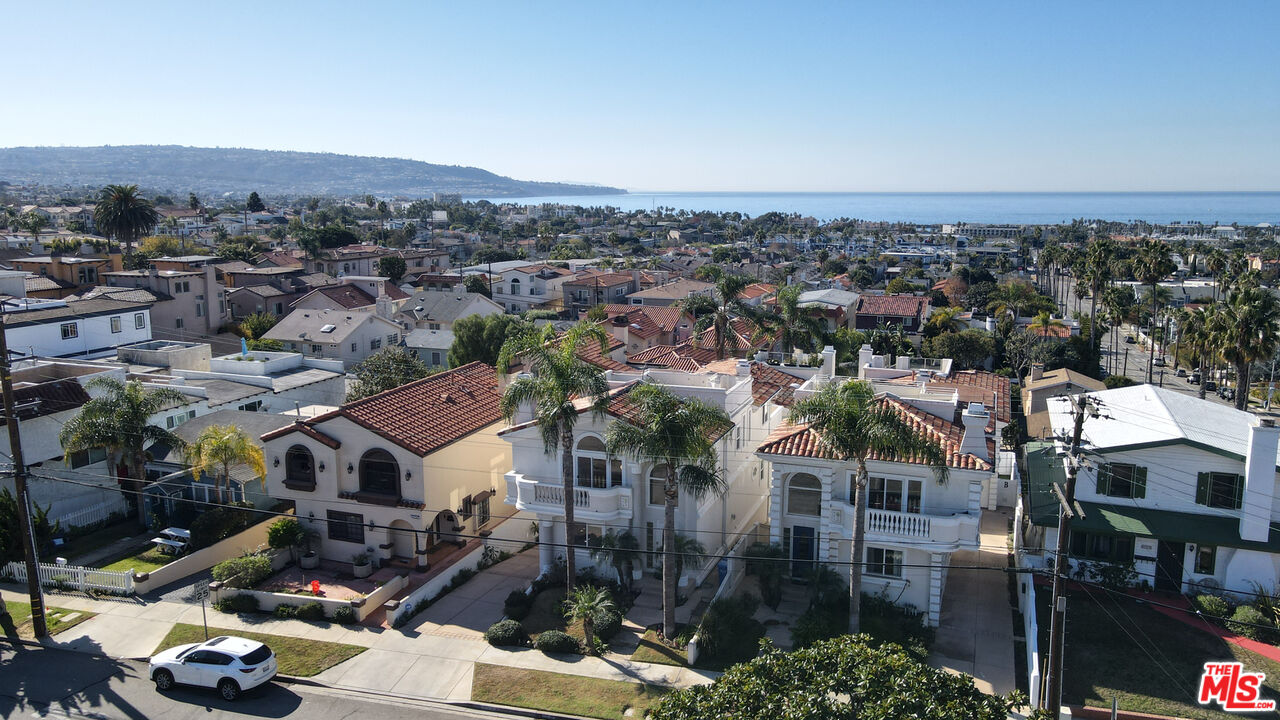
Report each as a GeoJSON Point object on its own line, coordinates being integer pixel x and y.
{"type": "Point", "coordinates": [297, 657]}
{"type": "Point", "coordinates": [556, 692]}
{"type": "Point", "coordinates": [146, 560]}
{"type": "Point", "coordinates": [56, 618]}
{"type": "Point", "coordinates": [1149, 662]}
{"type": "Point", "coordinates": [653, 650]}
{"type": "Point", "coordinates": [76, 546]}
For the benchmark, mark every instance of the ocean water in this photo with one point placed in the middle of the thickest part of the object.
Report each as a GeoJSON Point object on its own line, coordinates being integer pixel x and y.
{"type": "Point", "coordinates": [1246, 208]}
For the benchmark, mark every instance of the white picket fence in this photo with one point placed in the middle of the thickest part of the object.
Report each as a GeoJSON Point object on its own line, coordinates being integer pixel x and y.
{"type": "Point", "coordinates": [73, 576]}
{"type": "Point", "coordinates": [93, 514]}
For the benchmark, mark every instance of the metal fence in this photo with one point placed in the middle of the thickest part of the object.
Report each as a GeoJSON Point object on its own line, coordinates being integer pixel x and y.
{"type": "Point", "coordinates": [73, 577]}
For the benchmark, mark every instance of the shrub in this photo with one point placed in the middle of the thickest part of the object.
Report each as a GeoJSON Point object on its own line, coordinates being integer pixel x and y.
{"type": "Point", "coordinates": [554, 641]}
{"type": "Point", "coordinates": [461, 578]}
{"type": "Point", "coordinates": [607, 624]}
{"type": "Point", "coordinates": [517, 605]}
{"type": "Point", "coordinates": [344, 615]}
{"type": "Point", "coordinates": [285, 534]}
{"type": "Point", "coordinates": [1249, 622]}
{"type": "Point", "coordinates": [505, 633]}
{"type": "Point", "coordinates": [311, 611]}
{"type": "Point", "coordinates": [220, 523]}
{"type": "Point", "coordinates": [242, 602]}
{"type": "Point", "coordinates": [1212, 605]}
{"type": "Point", "coordinates": [243, 572]}
{"type": "Point", "coordinates": [285, 611]}
{"type": "Point", "coordinates": [728, 633]}
{"type": "Point", "coordinates": [816, 624]}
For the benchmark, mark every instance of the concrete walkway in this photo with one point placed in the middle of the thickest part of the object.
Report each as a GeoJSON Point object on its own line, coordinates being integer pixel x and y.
{"type": "Point", "coordinates": [434, 658]}
{"type": "Point", "coordinates": [975, 631]}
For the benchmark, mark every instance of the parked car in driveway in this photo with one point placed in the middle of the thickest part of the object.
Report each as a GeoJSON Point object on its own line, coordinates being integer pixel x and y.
{"type": "Point", "coordinates": [230, 664]}
{"type": "Point", "coordinates": [1129, 340]}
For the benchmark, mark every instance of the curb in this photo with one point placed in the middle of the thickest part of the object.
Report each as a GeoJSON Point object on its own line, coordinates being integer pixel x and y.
{"type": "Point", "coordinates": [468, 704]}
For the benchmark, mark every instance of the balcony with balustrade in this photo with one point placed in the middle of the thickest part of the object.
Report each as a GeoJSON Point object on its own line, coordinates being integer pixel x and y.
{"type": "Point", "coordinates": [546, 496]}
{"type": "Point", "coordinates": [934, 531]}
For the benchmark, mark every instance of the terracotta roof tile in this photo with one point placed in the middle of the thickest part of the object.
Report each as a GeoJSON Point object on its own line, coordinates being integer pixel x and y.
{"type": "Point", "coordinates": [755, 290]}
{"type": "Point", "coordinates": [985, 383]}
{"type": "Point", "coordinates": [802, 441]}
{"type": "Point", "coordinates": [896, 305]}
{"type": "Point", "coordinates": [770, 383]}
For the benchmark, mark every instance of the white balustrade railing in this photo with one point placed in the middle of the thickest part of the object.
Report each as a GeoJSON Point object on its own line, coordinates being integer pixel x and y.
{"type": "Point", "coordinates": [888, 522]}
{"type": "Point", "coordinates": [549, 496]}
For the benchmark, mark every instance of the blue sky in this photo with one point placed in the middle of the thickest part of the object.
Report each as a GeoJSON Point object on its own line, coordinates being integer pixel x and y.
{"type": "Point", "coordinates": [891, 96]}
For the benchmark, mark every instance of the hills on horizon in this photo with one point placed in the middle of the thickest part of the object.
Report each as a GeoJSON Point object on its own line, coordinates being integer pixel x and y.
{"type": "Point", "coordinates": [179, 168]}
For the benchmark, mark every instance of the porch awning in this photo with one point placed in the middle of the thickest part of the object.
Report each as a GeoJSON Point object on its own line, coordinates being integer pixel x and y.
{"type": "Point", "coordinates": [1171, 526]}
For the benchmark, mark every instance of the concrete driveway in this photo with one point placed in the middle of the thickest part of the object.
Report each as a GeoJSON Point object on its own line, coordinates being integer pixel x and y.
{"type": "Point", "coordinates": [468, 611]}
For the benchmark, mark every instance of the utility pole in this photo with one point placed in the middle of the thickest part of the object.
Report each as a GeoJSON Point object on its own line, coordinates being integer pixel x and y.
{"type": "Point", "coordinates": [1126, 362]}
{"type": "Point", "coordinates": [20, 487]}
{"type": "Point", "coordinates": [1051, 700]}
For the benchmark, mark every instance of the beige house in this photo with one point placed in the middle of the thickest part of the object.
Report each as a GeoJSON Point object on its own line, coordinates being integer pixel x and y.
{"type": "Point", "coordinates": [346, 335]}
{"type": "Point", "coordinates": [191, 301]}
{"type": "Point", "coordinates": [1043, 385]}
{"type": "Point", "coordinates": [399, 475]}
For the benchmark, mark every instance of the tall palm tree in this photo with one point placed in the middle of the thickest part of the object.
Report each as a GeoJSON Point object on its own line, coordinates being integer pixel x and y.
{"type": "Point", "coordinates": [124, 215]}
{"type": "Point", "coordinates": [717, 312]}
{"type": "Point", "coordinates": [118, 419]}
{"type": "Point", "coordinates": [1215, 262]}
{"type": "Point", "coordinates": [1151, 265]}
{"type": "Point", "coordinates": [558, 377]}
{"type": "Point", "coordinates": [1015, 298]}
{"type": "Point", "coordinates": [1098, 265]}
{"type": "Point", "coordinates": [1250, 333]}
{"type": "Point", "coordinates": [855, 424]}
{"type": "Point", "coordinates": [676, 434]}
{"type": "Point", "coordinates": [1196, 330]}
{"type": "Point", "coordinates": [796, 328]}
{"type": "Point", "coordinates": [218, 447]}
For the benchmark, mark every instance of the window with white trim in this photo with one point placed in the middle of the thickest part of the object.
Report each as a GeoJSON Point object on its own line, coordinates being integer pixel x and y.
{"type": "Point", "coordinates": [70, 331]}
{"type": "Point", "coordinates": [883, 562]}
{"type": "Point", "coordinates": [657, 486]}
{"type": "Point", "coordinates": [115, 324]}
{"type": "Point", "coordinates": [804, 495]}
{"type": "Point", "coordinates": [592, 465]}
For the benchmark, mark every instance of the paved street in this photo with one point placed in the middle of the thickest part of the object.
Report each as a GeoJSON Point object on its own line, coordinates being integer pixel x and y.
{"type": "Point", "coordinates": [41, 682]}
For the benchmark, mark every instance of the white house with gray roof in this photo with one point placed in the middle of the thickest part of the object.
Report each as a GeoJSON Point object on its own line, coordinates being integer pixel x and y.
{"type": "Point", "coordinates": [346, 335]}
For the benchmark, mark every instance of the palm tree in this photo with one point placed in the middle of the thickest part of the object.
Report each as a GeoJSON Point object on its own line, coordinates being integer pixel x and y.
{"type": "Point", "coordinates": [33, 223]}
{"type": "Point", "coordinates": [1014, 298]}
{"type": "Point", "coordinates": [123, 215]}
{"type": "Point", "coordinates": [717, 312]}
{"type": "Point", "coordinates": [677, 434]}
{"type": "Point", "coordinates": [1151, 265]}
{"type": "Point", "coordinates": [796, 328]}
{"type": "Point", "coordinates": [1098, 268]}
{"type": "Point", "coordinates": [1250, 333]}
{"type": "Point", "coordinates": [947, 319]}
{"type": "Point", "coordinates": [558, 377]}
{"type": "Point", "coordinates": [118, 419]}
{"type": "Point", "coordinates": [1195, 329]}
{"type": "Point", "coordinates": [584, 604]}
{"type": "Point", "coordinates": [220, 447]}
{"type": "Point", "coordinates": [1215, 262]}
{"type": "Point", "coordinates": [855, 425]}
{"type": "Point", "coordinates": [621, 551]}
{"type": "Point", "coordinates": [1044, 324]}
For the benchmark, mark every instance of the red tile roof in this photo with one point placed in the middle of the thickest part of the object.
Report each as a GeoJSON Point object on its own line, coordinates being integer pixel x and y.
{"type": "Point", "coordinates": [770, 383]}
{"type": "Point", "coordinates": [978, 386]}
{"type": "Point", "coordinates": [895, 305]}
{"type": "Point", "coordinates": [755, 290]}
{"type": "Point", "coordinates": [602, 279]}
{"type": "Point", "coordinates": [425, 415]}
{"type": "Point", "coordinates": [646, 320]}
{"type": "Point", "coordinates": [303, 427]}
{"type": "Point", "coordinates": [802, 441]}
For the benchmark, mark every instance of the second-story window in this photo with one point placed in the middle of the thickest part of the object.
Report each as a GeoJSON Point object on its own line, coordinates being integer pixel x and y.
{"type": "Point", "coordinates": [1122, 480]}
{"type": "Point", "coordinates": [1220, 490]}
{"type": "Point", "coordinates": [657, 486]}
{"type": "Point", "coordinates": [139, 321]}
{"type": "Point", "coordinates": [375, 343]}
{"type": "Point", "coordinates": [70, 330]}
{"type": "Point", "coordinates": [115, 324]}
{"type": "Point", "coordinates": [804, 495]}
{"type": "Point", "coordinates": [594, 468]}
{"type": "Point", "coordinates": [515, 286]}
{"type": "Point", "coordinates": [299, 469]}
{"type": "Point", "coordinates": [379, 473]}
{"type": "Point", "coordinates": [892, 493]}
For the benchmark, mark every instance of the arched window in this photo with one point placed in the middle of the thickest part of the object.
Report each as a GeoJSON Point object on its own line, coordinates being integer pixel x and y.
{"type": "Point", "coordinates": [804, 495]}
{"type": "Point", "coordinates": [515, 286]}
{"type": "Point", "coordinates": [379, 473]}
{"type": "Point", "coordinates": [299, 468]}
{"type": "Point", "coordinates": [658, 486]}
{"type": "Point", "coordinates": [593, 466]}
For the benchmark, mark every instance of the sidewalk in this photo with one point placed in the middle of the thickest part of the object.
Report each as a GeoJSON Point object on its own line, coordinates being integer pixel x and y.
{"type": "Point", "coordinates": [431, 666]}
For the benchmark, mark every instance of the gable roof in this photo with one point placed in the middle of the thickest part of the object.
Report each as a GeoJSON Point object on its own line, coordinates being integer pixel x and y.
{"type": "Point", "coordinates": [620, 406]}
{"type": "Point", "coordinates": [755, 290]}
{"type": "Point", "coordinates": [444, 307]}
{"type": "Point", "coordinates": [895, 305]}
{"type": "Point", "coordinates": [646, 321]}
{"type": "Point", "coordinates": [425, 415]}
{"type": "Point", "coordinates": [307, 324]}
{"type": "Point", "coordinates": [770, 383]}
{"type": "Point", "coordinates": [802, 441]}
{"type": "Point", "coordinates": [1063, 376]}
{"type": "Point", "coordinates": [677, 290]}
{"type": "Point", "coordinates": [346, 296]}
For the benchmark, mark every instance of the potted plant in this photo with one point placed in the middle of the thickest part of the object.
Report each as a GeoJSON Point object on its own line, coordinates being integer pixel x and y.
{"type": "Point", "coordinates": [360, 566]}
{"type": "Point", "coordinates": [310, 559]}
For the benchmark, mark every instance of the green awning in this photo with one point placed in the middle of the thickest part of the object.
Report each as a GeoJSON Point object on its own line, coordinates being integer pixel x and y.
{"type": "Point", "coordinates": [1044, 468]}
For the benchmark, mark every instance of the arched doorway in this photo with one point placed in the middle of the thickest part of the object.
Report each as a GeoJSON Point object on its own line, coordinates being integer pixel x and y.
{"type": "Point", "coordinates": [403, 541]}
{"type": "Point", "coordinates": [445, 527]}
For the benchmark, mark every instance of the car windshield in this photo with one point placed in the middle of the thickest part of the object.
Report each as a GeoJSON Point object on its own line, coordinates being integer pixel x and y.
{"type": "Point", "coordinates": [256, 656]}
{"type": "Point", "coordinates": [186, 652]}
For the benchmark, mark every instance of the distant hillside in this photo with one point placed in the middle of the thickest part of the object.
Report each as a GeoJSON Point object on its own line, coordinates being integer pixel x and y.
{"type": "Point", "coordinates": [217, 170]}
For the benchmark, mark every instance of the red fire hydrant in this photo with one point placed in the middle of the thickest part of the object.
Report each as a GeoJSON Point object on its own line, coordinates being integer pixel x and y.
{"type": "Point", "coordinates": [315, 588]}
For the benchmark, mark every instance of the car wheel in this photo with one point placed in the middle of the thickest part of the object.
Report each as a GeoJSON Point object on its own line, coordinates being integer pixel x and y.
{"type": "Point", "coordinates": [163, 679]}
{"type": "Point", "coordinates": [228, 689]}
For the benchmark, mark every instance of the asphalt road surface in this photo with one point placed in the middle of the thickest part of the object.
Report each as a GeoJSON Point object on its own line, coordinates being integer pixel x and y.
{"type": "Point", "coordinates": [38, 682]}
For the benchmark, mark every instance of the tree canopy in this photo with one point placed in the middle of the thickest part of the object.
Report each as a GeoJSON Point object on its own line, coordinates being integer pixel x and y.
{"type": "Point", "coordinates": [254, 204]}
{"type": "Point", "coordinates": [967, 348]}
{"type": "Point", "coordinates": [388, 368]}
{"type": "Point", "coordinates": [392, 267]}
{"type": "Point", "coordinates": [478, 337]}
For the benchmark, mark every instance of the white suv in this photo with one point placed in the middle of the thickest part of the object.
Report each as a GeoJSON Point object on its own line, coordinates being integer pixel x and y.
{"type": "Point", "coordinates": [230, 664]}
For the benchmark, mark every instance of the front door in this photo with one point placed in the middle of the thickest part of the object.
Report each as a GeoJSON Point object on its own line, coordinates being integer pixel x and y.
{"type": "Point", "coordinates": [1169, 566]}
{"type": "Point", "coordinates": [803, 552]}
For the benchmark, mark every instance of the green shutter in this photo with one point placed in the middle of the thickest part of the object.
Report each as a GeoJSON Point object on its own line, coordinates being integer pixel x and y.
{"type": "Point", "coordinates": [1139, 484]}
{"type": "Point", "coordinates": [1104, 480]}
{"type": "Point", "coordinates": [1202, 488]}
{"type": "Point", "coordinates": [1239, 493]}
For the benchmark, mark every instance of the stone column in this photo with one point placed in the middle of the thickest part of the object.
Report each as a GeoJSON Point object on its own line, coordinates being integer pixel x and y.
{"type": "Point", "coordinates": [775, 506]}
{"type": "Point", "coordinates": [546, 550]}
{"type": "Point", "coordinates": [937, 561]}
{"type": "Point", "coordinates": [826, 525]}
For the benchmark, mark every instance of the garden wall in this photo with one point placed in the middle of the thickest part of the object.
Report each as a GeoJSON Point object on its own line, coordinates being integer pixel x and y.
{"type": "Point", "coordinates": [1031, 630]}
{"type": "Point", "coordinates": [436, 584]}
{"type": "Point", "coordinates": [267, 601]}
{"type": "Point", "coordinates": [248, 540]}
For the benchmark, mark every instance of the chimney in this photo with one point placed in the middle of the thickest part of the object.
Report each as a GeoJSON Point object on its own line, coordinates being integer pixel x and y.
{"type": "Point", "coordinates": [744, 367]}
{"type": "Point", "coordinates": [383, 307]}
{"type": "Point", "coordinates": [524, 413]}
{"type": "Point", "coordinates": [865, 355]}
{"type": "Point", "coordinates": [828, 362]}
{"type": "Point", "coordinates": [116, 258]}
{"type": "Point", "coordinates": [635, 278]}
{"type": "Point", "coordinates": [975, 418]}
{"type": "Point", "coordinates": [1037, 371]}
{"type": "Point", "coordinates": [1259, 480]}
